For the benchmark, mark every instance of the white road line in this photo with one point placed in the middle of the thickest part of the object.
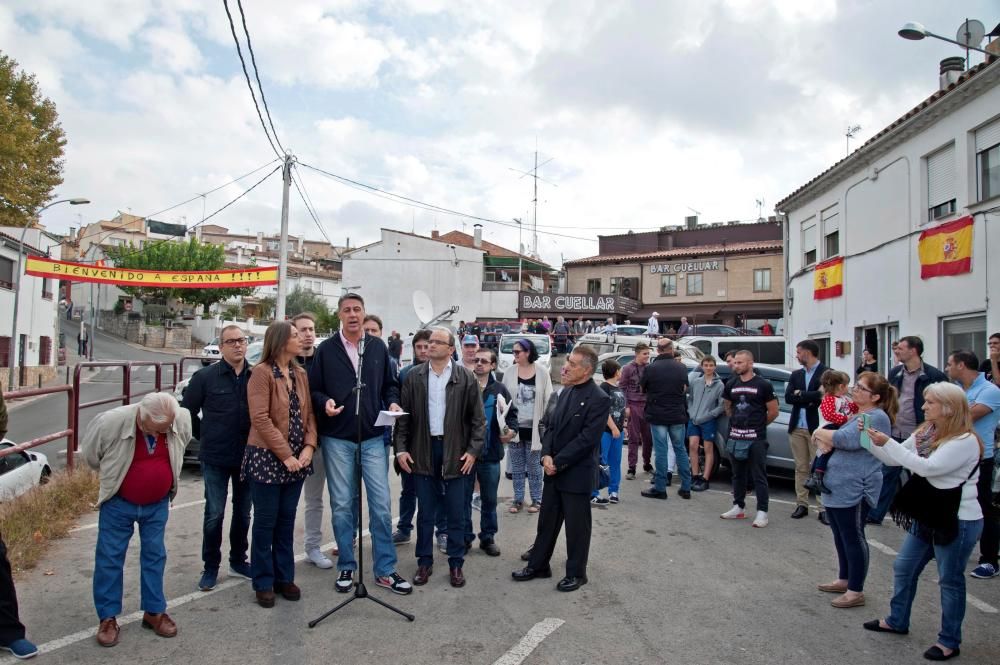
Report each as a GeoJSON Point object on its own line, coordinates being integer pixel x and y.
{"type": "Point", "coordinates": [882, 547]}
{"type": "Point", "coordinates": [529, 642]}
{"type": "Point", "coordinates": [178, 506]}
{"type": "Point", "coordinates": [770, 499]}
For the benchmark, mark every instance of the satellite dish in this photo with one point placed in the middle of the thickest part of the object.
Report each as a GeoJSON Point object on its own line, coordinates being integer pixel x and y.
{"type": "Point", "coordinates": [971, 33]}
{"type": "Point", "coordinates": [422, 306]}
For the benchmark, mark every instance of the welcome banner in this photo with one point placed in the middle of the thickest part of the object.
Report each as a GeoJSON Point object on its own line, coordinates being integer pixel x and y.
{"type": "Point", "coordinates": [210, 279]}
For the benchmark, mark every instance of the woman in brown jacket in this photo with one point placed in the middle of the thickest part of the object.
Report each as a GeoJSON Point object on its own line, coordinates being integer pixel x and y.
{"type": "Point", "coordinates": [278, 458]}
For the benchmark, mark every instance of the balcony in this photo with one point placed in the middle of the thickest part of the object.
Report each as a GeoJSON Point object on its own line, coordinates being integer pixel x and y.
{"type": "Point", "coordinates": [500, 286]}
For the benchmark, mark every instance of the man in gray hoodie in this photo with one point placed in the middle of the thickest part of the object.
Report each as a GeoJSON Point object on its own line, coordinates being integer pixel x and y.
{"type": "Point", "coordinates": [704, 407]}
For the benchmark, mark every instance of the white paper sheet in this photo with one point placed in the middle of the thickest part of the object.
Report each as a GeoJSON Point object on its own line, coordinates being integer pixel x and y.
{"type": "Point", "coordinates": [386, 418]}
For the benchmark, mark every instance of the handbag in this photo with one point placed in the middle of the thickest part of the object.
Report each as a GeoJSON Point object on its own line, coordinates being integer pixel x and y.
{"type": "Point", "coordinates": [929, 513]}
{"type": "Point", "coordinates": [738, 450]}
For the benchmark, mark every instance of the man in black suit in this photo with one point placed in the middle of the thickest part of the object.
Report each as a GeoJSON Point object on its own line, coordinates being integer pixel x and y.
{"type": "Point", "coordinates": [571, 449]}
{"type": "Point", "coordinates": [804, 395]}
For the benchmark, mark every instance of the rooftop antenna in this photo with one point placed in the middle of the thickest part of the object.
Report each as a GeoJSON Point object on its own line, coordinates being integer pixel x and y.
{"type": "Point", "coordinates": [533, 174]}
{"type": "Point", "coordinates": [693, 210]}
{"type": "Point", "coordinates": [851, 132]}
{"type": "Point", "coordinates": [760, 210]}
{"type": "Point", "coordinates": [970, 35]}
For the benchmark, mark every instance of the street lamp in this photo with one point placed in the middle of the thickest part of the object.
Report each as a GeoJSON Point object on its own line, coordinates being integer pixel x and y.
{"type": "Point", "coordinates": [916, 31]}
{"type": "Point", "coordinates": [12, 348]}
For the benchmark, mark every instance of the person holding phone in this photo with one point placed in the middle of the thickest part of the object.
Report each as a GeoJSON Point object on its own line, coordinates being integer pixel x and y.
{"type": "Point", "coordinates": [854, 478]}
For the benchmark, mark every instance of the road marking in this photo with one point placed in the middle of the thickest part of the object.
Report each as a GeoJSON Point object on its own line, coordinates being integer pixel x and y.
{"type": "Point", "coordinates": [178, 506]}
{"type": "Point", "coordinates": [770, 500]}
{"type": "Point", "coordinates": [882, 547]}
{"type": "Point", "coordinates": [529, 642]}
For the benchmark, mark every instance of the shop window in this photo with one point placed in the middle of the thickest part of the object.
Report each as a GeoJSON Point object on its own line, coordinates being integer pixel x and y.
{"type": "Point", "coordinates": [668, 285]}
{"type": "Point", "coordinates": [695, 284]}
{"type": "Point", "coordinates": [594, 286]}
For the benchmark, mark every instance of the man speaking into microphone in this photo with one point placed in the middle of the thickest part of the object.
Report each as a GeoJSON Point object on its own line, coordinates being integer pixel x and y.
{"type": "Point", "coordinates": [333, 377]}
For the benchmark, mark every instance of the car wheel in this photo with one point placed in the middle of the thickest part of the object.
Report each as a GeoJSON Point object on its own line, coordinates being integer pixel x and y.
{"type": "Point", "coordinates": [46, 475]}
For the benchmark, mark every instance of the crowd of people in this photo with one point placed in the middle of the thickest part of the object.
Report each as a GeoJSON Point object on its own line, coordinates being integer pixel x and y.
{"type": "Point", "coordinates": [297, 422]}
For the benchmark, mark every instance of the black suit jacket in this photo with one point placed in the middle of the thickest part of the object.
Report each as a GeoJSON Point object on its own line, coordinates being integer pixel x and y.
{"type": "Point", "coordinates": [572, 437]}
{"type": "Point", "coordinates": [808, 399]}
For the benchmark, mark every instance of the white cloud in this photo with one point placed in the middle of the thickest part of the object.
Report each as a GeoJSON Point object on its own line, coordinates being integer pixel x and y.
{"type": "Point", "coordinates": [172, 49]}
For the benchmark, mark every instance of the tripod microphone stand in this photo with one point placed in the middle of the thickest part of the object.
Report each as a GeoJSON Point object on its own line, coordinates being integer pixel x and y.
{"type": "Point", "coordinates": [360, 591]}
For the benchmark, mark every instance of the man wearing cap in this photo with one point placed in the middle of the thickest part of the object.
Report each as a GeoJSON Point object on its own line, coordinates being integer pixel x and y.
{"type": "Point", "coordinates": [653, 326]}
{"type": "Point", "coordinates": [470, 345]}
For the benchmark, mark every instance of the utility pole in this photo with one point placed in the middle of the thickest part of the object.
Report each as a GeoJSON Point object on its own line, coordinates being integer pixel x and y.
{"type": "Point", "coordinates": [534, 240]}
{"type": "Point", "coordinates": [286, 179]}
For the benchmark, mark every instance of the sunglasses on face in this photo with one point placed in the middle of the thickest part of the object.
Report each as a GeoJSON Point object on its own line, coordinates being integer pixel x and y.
{"type": "Point", "coordinates": [481, 361]}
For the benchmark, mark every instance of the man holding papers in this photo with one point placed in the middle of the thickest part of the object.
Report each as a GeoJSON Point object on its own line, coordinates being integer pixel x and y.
{"type": "Point", "coordinates": [438, 441]}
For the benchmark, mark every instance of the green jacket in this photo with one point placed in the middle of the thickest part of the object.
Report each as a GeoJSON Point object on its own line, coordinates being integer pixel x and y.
{"type": "Point", "coordinates": [464, 421]}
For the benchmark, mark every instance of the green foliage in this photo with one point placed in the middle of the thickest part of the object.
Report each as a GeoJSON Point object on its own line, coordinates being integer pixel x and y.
{"type": "Point", "coordinates": [301, 300]}
{"type": "Point", "coordinates": [192, 255]}
{"type": "Point", "coordinates": [31, 146]}
{"type": "Point", "coordinates": [231, 312]}
{"type": "Point", "coordinates": [267, 305]}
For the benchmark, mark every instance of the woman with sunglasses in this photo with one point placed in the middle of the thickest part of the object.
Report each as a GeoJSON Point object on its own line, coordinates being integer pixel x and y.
{"type": "Point", "coordinates": [854, 478]}
{"type": "Point", "coordinates": [531, 386]}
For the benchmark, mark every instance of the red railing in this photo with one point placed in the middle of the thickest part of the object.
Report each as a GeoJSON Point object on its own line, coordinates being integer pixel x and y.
{"type": "Point", "coordinates": [72, 415]}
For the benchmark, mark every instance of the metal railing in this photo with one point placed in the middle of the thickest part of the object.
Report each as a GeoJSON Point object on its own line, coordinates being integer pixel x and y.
{"type": "Point", "coordinates": [71, 421]}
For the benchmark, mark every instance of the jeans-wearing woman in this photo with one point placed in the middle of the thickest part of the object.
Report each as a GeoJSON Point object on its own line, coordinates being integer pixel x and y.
{"type": "Point", "coordinates": [530, 386]}
{"type": "Point", "coordinates": [278, 458]}
{"type": "Point", "coordinates": [854, 478]}
{"type": "Point", "coordinates": [946, 452]}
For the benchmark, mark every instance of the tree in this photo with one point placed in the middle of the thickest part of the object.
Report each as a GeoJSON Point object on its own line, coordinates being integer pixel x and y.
{"type": "Point", "coordinates": [192, 255]}
{"type": "Point", "coordinates": [301, 300]}
{"type": "Point", "coordinates": [31, 146]}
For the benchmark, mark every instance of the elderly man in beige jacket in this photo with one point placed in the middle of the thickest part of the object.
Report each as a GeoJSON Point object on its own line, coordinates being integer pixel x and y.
{"type": "Point", "coordinates": [138, 450]}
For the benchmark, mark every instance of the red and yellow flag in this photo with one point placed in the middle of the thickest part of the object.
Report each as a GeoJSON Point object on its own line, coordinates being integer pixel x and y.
{"type": "Point", "coordinates": [946, 249]}
{"type": "Point", "coordinates": [828, 279]}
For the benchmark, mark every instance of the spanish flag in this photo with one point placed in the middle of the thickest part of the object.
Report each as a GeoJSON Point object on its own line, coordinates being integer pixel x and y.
{"type": "Point", "coordinates": [946, 249]}
{"type": "Point", "coordinates": [828, 280]}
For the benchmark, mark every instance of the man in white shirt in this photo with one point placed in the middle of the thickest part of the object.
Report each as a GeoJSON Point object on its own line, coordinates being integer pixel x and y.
{"type": "Point", "coordinates": [653, 325]}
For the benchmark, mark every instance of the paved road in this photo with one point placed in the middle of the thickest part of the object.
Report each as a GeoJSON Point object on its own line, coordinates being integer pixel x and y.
{"type": "Point", "coordinates": [44, 415]}
{"type": "Point", "coordinates": [669, 583]}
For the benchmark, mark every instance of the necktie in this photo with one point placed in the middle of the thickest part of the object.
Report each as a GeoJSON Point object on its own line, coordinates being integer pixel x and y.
{"type": "Point", "coordinates": [150, 444]}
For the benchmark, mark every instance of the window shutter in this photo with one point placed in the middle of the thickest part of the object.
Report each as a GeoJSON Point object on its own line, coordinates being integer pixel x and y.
{"type": "Point", "coordinates": [988, 136]}
{"type": "Point", "coordinates": [941, 176]}
{"type": "Point", "coordinates": [966, 326]}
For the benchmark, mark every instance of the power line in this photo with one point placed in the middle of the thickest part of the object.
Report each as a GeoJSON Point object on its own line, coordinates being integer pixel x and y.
{"type": "Point", "coordinates": [406, 200]}
{"type": "Point", "coordinates": [307, 200]}
{"type": "Point", "coordinates": [240, 196]}
{"type": "Point", "coordinates": [256, 73]}
{"type": "Point", "coordinates": [246, 75]}
{"type": "Point", "coordinates": [105, 234]}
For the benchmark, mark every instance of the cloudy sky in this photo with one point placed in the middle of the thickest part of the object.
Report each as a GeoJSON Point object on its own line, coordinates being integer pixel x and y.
{"type": "Point", "coordinates": [643, 111]}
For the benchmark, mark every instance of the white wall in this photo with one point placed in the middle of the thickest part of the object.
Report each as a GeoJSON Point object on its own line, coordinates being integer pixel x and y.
{"type": "Point", "coordinates": [498, 305]}
{"type": "Point", "coordinates": [36, 315]}
{"type": "Point", "coordinates": [881, 219]}
{"type": "Point", "coordinates": [387, 273]}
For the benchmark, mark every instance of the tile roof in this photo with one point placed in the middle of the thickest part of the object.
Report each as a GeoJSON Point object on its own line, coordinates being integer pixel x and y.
{"type": "Point", "coordinates": [15, 241]}
{"type": "Point", "coordinates": [896, 124]}
{"type": "Point", "coordinates": [465, 240]}
{"type": "Point", "coordinates": [700, 250]}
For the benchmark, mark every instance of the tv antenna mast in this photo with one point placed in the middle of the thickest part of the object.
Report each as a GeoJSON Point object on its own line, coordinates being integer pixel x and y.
{"type": "Point", "coordinates": [851, 132]}
{"type": "Point", "coordinates": [533, 174]}
{"type": "Point", "coordinates": [760, 210]}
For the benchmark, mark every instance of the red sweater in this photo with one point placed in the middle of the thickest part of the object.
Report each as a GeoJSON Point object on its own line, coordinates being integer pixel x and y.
{"type": "Point", "coordinates": [149, 478]}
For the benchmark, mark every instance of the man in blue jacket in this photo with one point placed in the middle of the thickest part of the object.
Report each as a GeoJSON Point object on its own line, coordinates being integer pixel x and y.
{"type": "Point", "coordinates": [804, 395]}
{"type": "Point", "coordinates": [216, 396]}
{"type": "Point", "coordinates": [332, 379]}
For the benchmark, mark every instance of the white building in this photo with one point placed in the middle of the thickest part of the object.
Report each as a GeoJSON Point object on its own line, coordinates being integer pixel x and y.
{"type": "Point", "coordinates": [386, 274]}
{"type": "Point", "coordinates": [37, 307]}
{"type": "Point", "coordinates": [939, 162]}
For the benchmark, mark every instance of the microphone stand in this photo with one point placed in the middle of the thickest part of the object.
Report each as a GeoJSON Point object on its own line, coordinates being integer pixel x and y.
{"type": "Point", "coordinates": [360, 591]}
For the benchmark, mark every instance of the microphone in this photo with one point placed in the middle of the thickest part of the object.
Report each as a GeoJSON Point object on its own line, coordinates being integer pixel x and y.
{"type": "Point", "coordinates": [361, 345]}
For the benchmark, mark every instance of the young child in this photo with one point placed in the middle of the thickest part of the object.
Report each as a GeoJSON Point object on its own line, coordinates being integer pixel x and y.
{"type": "Point", "coordinates": [611, 440]}
{"type": "Point", "coordinates": [835, 409]}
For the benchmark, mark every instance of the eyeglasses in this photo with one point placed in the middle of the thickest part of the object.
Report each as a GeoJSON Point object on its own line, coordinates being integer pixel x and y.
{"type": "Point", "coordinates": [858, 386]}
{"type": "Point", "coordinates": [483, 361]}
{"type": "Point", "coordinates": [438, 341]}
{"type": "Point", "coordinates": [238, 341]}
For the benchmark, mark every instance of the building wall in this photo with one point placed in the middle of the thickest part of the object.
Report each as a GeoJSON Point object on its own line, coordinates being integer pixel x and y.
{"type": "Point", "coordinates": [388, 272]}
{"type": "Point", "coordinates": [733, 280]}
{"type": "Point", "coordinates": [882, 213]}
{"type": "Point", "coordinates": [497, 305]}
{"type": "Point", "coordinates": [36, 314]}
{"type": "Point", "coordinates": [577, 276]}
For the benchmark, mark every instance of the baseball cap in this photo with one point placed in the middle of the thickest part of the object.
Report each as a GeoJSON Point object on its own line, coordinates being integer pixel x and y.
{"type": "Point", "coordinates": [470, 340]}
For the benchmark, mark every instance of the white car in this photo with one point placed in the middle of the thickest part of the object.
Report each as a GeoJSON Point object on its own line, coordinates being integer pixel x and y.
{"type": "Point", "coordinates": [21, 471]}
{"type": "Point", "coordinates": [210, 352]}
{"type": "Point", "coordinates": [505, 355]}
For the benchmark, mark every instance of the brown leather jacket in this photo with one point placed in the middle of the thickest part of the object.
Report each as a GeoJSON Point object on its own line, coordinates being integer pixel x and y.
{"type": "Point", "coordinates": [268, 399]}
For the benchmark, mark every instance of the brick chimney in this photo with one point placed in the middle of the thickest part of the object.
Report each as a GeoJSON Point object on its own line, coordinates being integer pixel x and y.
{"type": "Point", "coordinates": [435, 234]}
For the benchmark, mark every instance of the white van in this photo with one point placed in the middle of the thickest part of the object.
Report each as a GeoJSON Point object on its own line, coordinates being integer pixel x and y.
{"type": "Point", "coordinates": [603, 343]}
{"type": "Point", "coordinates": [505, 354]}
{"type": "Point", "coordinates": [768, 349]}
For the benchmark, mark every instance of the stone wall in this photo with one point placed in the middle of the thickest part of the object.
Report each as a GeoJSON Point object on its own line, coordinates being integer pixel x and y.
{"type": "Point", "coordinates": [32, 374]}
{"type": "Point", "coordinates": [135, 330]}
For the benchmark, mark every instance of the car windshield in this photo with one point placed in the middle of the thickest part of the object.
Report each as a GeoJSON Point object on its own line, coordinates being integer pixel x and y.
{"type": "Point", "coordinates": [541, 344]}
{"type": "Point", "coordinates": [254, 352]}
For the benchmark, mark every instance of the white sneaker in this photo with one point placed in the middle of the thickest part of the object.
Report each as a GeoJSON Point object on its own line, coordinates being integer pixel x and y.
{"type": "Point", "coordinates": [760, 521]}
{"type": "Point", "coordinates": [318, 559]}
{"type": "Point", "coordinates": [734, 513]}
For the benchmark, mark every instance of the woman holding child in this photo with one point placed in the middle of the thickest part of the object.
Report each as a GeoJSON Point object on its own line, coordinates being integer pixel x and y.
{"type": "Point", "coordinates": [854, 478]}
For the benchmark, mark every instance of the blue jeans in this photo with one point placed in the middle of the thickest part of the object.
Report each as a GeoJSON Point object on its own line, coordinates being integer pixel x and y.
{"type": "Point", "coordinates": [217, 480]}
{"type": "Point", "coordinates": [672, 435]}
{"type": "Point", "coordinates": [951, 561]}
{"type": "Point", "coordinates": [114, 531]}
{"type": "Point", "coordinates": [488, 475]}
{"type": "Point", "coordinates": [338, 457]}
{"type": "Point", "coordinates": [611, 454]}
{"type": "Point", "coordinates": [890, 483]}
{"type": "Point", "coordinates": [428, 499]}
{"type": "Point", "coordinates": [272, 557]}
{"type": "Point", "coordinates": [408, 506]}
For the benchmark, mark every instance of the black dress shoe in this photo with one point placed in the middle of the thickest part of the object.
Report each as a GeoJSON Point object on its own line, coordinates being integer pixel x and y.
{"type": "Point", "coordinates": [653, 494]}
{"type": "Point", "coordinates": [529, 573]}
{"type": "Point", "coordinates": [526, 556]}
{"type": "Point", "coordinates": [823, 518]}
{"type": "Point", "coordinates": [935, 653]}
{"type": "Point", "coordinates": [490, 548]}
{"type": "Point", "coordinates": [571, 583]}
{"type": "Point", "coordinates": [799, 512]}
{"type": "Point", "coordinates": [684, 494]}
{"type": "Point", "coordinates": [423, 573]}
{"type": "Point", "coordinates": [457, 577]}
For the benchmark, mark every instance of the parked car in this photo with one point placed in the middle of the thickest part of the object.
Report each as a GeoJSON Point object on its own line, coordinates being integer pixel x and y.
{"type": "Point", "coordinates": [766, 349]}
{"type": "Point", "coordinates": [506, 353]}
{"type": "Point", "coordinates": [210, 352]}
{"type": "Point", "coordinates": [715, 329]}
{"type": "Point", "coordinates": [624, 357]}
{"type": "Point", "coordinates": [632, 330]}
{"type": "Point", "coordinates": [21, 471]}
{"type": "Point", "coordinates": [603, 343]}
